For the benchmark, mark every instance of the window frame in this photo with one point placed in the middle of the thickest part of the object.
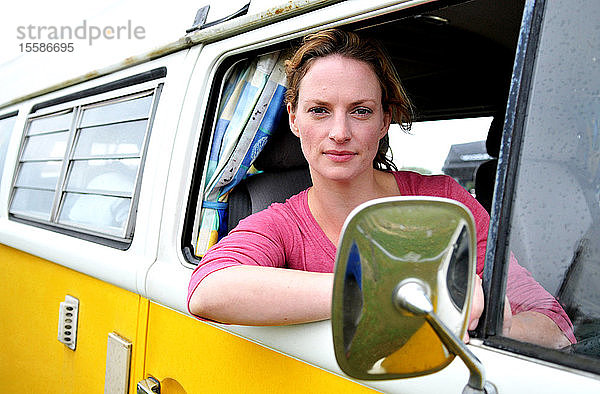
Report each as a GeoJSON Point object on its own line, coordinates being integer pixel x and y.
{"type": "Point", "coordinates": [217, 83]}
{"type": "Point", "coordinates": [496, 268]}
{"type": "Point", "coordinates": [149, 83]}
{"type": "Point", "coordinates": [8, 115]}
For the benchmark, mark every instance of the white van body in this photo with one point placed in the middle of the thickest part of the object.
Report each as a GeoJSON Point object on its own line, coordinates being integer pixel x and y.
{"type": "Point", "coordinates": [136, 287]}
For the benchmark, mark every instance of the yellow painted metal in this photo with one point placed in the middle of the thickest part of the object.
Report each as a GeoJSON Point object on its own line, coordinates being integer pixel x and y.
{"type": "Point", "coordinates": [31, 358]}
{"type": "Point", "coordinates": [185, 355]}
{"type": "Point", "coordinates": [188, 356]}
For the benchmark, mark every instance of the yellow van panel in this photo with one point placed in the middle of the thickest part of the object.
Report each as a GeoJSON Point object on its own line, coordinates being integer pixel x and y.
{"type": "Point", "coordinates": [188, 356]}
{"type": "Point", "coordinates": [32, 360]}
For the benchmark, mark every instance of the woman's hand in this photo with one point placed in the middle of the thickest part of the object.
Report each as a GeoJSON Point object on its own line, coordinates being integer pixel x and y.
{"type": "Point", "coordinates": [476, 307]}
{"type": "Point", "coordinates": [527, 326]}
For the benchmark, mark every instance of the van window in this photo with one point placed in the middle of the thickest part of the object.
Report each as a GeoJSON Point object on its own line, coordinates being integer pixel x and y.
{"type": "Point", "coordinates": [453, 70]}
{"type": "Point", "coordinates": [80, 167]}
{"type": "Point", "coordinates": [6, 125]}
{"type": "Point", "coordinates": [555, 222]}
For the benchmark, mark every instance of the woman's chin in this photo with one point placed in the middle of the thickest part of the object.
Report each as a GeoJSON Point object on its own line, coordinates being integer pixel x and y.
{"type": "Point", "coordinates": [342, 175]}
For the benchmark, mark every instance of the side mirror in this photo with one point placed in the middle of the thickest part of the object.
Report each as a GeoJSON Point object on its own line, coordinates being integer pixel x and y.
{"type": "Point", "coordinates": [402, 291]}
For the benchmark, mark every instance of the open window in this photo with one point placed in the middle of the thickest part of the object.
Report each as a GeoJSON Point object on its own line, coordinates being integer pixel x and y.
{"type": "Point", "coordinates": [456, 67]}
{"type": "Point", "coordinates": [456, 62]}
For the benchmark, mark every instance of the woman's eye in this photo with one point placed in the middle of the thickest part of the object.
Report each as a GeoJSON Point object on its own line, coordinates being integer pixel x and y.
{"type": "Point", "coordinates": [362, 111]}
{"type": "Point", "coordinates": [317, 110]}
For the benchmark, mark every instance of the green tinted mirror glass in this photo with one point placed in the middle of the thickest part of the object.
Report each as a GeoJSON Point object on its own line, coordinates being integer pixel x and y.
{"type": "Point", "coordinates": [387, 242]}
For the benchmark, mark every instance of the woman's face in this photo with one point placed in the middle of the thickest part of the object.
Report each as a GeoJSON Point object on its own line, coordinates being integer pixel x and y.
{"type": "Point", "coordinates": [339, 117]}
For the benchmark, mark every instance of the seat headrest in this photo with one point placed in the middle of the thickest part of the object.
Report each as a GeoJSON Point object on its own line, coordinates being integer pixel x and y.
{"type": "Point", "coordinates": [494, 137]}
{"type": "Point", "coordinates": [282, 151]}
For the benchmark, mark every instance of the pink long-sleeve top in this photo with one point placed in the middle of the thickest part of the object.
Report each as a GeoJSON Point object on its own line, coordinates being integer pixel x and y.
{"type": "Point", "coordinates": [286, 235]}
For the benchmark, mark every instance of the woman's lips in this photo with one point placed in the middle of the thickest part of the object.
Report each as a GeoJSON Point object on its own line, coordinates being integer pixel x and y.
{"type": "Point", "coordinates": [339, 156]}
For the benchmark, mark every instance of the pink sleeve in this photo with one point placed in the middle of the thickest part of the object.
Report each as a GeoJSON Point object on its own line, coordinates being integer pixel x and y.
{"type": "Point", "coordinates": [523, 291]}
{"type": "Point", "coordinates": [526, 294]}
{"type": "Point", "coordinates": [255, 241]}
{"type": "Point", "coordinates": [482, 218]}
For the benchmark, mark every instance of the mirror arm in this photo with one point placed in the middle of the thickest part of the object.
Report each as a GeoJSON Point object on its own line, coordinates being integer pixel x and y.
{"type": "Point", "coordinates": [477, 383]}
{"type": "Point", "coordinates": [411, 296]}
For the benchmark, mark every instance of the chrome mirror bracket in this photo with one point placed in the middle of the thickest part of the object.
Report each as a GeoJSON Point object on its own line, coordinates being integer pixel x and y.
{"type": "Point", "coordinates": [411, 296]}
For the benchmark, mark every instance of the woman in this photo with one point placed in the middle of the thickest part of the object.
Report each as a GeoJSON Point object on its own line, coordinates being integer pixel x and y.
{"type": "Point", "coordinates": [343, 94]}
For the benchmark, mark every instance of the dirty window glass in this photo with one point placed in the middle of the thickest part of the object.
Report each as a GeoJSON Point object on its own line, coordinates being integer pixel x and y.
{"type": "Point", "coordinates": [6, 126]}
{"type": "Point", "coordinates": [555, 225]}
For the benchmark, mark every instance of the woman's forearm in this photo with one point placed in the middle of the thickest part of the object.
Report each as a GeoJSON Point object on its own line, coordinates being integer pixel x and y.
{"type": "Point", "coordinates": [537, 328]}
{"type": "Point", "coordinates": [252, 295]}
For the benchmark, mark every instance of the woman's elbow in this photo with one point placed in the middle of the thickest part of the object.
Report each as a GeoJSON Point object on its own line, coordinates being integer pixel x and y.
{"type": "Point", "coordinates": [205, 303]}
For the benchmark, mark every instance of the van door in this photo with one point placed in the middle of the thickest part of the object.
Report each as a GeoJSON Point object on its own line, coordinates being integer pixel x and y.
{"type": "Point", "coordinates": [188, 356]}
{"type": "Point", "coordinates": [32, 358]}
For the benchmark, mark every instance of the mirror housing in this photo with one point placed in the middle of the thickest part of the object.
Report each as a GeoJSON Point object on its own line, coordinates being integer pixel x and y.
{"type": "Point", "coordinates": [403, 285]}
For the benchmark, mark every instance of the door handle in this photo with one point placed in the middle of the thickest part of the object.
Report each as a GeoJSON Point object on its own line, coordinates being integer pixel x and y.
{"type": "Point", "coordinates": [149, 385]}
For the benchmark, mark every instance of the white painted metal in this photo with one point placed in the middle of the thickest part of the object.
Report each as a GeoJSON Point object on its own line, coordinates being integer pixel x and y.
{"type": "Point", "coordinates": [154, 265]}
{"type": "Point", "coordinates": [118, 363]}
{"type": "Point", "coordinates": [68, 316]}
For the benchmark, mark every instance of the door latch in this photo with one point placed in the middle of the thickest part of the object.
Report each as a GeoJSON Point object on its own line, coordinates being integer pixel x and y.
{"type": "Point", "coordinates": [149, 385]}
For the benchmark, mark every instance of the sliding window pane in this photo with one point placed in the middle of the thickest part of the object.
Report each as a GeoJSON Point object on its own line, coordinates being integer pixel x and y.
{"type": "Point", "coordinates": [32, 203]}
{"type": "Point", "coordinates": [104, 176]}
{"type": "Point", "coordinates": [46, 146]}
{"type": "Point", "coordinates": [39, 175]}
{"type": "Point", "coordinates": [121, 111]}
{"type": "Point", "coordinates": [117, 139]}
{"type": "Point", "coordinates": [103, 214]}
{"type": "Point", "coordinates": [51, 123]}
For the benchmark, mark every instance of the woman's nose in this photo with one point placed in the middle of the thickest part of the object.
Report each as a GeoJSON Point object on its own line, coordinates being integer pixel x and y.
{"type": "Point", "coordinates": [339, 131]}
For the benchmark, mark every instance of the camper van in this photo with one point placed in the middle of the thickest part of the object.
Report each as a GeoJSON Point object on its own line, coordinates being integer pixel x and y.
{"type": "Point", "coordinates": [115, 179]}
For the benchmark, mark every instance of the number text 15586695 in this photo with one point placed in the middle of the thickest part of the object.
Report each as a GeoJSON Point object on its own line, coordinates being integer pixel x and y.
{"type": "Point", "coordinates": [46, 47]}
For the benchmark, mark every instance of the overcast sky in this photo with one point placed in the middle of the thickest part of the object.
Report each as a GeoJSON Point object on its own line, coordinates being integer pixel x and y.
{"type": "Point", "coordinates": [428, 143]}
